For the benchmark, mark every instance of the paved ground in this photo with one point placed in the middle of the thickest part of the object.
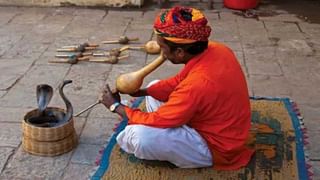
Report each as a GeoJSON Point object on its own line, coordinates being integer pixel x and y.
{"type": "Point", "coordinates": [279, 53]}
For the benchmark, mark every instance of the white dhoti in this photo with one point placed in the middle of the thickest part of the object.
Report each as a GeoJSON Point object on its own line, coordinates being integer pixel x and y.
{"type": "Point", "coordinates": [182, 146]}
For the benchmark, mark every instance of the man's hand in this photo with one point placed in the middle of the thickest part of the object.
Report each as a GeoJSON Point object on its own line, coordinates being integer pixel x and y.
{"type": "Point", "coordinates": [140, 92]}
{"type": "Point", "coordinates": [116, 95]}
{"type": "Point", "coordinates": [108, 97]}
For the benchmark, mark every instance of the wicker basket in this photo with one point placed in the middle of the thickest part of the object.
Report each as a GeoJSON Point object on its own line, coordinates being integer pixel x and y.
{"type": "Point", "coordinates": [46, 141]}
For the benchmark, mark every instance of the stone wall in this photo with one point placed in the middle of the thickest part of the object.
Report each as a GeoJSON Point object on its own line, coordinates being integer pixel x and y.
{"type": "Point", "coordinates": [108, 3]}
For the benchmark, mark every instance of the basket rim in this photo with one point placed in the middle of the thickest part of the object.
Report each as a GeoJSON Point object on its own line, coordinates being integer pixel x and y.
{"type": "Point", "coordinates": [36, 109]}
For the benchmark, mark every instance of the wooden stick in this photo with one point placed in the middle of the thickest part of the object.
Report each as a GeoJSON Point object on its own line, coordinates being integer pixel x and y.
{"type": "Point", "coordinates": [77, 46]}
{"type": "Point", "coordinates": [59, 61]}
{"type": "Point", "coordinates": [123, 57]}
{"type": "Point", "coordinates": [121, 40]}
{"type": "Point", "coordinates": [65, 55]}
{"type": "Point", "coordinates": [101, 54]}
{"type": "Point", "coordinates": [74, 55]}
{"type": "Point", "coordinates": [150, 47]}
{"type": "Point", "coordinates": [70, 60]}
{"type": "Point", "coordinates": [66, 50]}
{"type": "Point", "coordinates": [74, 49]}
{"type": "Point", "coordinates": [85, 58]}
{"type": "Point", "coordinates": [124, 48]}
{"type": "Point", "coordinates": [89, 107]}
{"type": "Point", "coordinates": [137, 47]}
{"type": "Point", "coordinates": [133, 39]}
{"type": "Point", "coordinates": [112, 59]}
{"type": "Point", "coordinates": [109, 42]}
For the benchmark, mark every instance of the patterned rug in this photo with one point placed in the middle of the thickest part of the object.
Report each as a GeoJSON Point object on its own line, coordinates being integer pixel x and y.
{"type": "Point", "coordinates": [276, 134]}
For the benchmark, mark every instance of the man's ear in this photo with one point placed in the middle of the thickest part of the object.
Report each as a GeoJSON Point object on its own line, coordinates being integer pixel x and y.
{"type": "Point", "coordinates": [179, 52]}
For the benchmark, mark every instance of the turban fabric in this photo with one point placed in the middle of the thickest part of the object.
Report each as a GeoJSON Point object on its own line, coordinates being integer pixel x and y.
{"type": "Point", "coordinates": [182, 25]}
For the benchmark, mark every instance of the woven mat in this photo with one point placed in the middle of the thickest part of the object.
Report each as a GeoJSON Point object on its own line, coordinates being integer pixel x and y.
{"type": "Point", "coordinates": [275, 134]}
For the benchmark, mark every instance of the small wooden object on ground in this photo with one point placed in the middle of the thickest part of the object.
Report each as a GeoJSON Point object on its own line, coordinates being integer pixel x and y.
{"type": "Point", "coordinates": [121, 40]}
{"type": "Point", "coordinates": [151, 47]}
{"type": "Point", "coordinates": [78, 48]}
{"type": "Point", "coordinates": [111, 59]}
{"type": "Point", "coordinates": [72, 58]}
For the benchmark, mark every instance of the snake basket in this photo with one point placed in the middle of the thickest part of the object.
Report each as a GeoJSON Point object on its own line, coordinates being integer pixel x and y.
{"type": "Point", "coordinates": [48, 141]}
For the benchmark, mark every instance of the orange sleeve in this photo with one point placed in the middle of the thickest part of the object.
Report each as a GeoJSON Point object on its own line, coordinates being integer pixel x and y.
{"type": "Point", "coordinates": [162, 89]}
{"type": "Point", "coordinates": [180, 108]}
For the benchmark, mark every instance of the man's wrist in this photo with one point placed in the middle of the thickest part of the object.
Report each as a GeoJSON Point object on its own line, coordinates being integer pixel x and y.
{"type": "Point", "coordinates": [114, 106]}
{"type": "Point", "coordinates": [121, 111]}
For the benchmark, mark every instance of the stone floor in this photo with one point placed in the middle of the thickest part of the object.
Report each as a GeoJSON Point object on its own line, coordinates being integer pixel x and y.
{"type": "Point", "coordinates": [279, 54]}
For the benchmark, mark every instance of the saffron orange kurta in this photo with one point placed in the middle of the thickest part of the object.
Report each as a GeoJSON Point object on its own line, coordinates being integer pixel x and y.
{"type": "Point", "coordinates": [210, 95]}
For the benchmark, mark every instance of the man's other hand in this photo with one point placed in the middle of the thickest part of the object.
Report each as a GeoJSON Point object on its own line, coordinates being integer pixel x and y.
{"type": "Point", "coordinates": [140, 92]}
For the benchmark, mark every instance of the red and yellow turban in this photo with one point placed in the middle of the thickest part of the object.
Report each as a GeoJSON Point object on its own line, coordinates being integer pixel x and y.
{"type": "Point", "coordinates": [182, 25]}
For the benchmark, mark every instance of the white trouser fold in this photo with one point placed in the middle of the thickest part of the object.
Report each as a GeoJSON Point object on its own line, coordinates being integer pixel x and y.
{"type": "Point", "coordinates": [182, 146]}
